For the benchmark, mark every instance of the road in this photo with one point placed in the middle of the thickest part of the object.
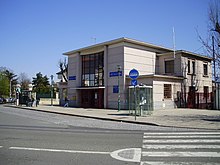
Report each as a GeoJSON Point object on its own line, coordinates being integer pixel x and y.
{"type": "Point", "coordinates": [30, 137]}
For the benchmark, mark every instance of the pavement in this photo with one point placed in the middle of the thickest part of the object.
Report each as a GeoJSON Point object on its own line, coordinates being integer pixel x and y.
{"type": "Point", "coordinates": [180, 118]}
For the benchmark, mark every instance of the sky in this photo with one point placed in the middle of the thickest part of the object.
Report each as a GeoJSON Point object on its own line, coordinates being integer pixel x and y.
{"type": "Point", "coordinates": [35, 33]}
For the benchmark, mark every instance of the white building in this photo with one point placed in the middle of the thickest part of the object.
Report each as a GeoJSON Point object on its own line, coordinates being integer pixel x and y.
{"type": "Point", "coordinates": [175, 80]}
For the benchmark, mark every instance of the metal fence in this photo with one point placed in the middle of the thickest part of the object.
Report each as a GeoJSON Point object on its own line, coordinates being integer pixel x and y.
{"type": "Point", "coordinates": [196, 100]}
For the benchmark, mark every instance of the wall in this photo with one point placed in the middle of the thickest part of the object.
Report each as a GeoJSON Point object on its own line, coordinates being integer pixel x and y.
{"type": "Point", "coordinates": [198, 79]}
{"type": "Point", "coordinates": [74, 67]}
{"type": "Point", "coordinates": [115, 56]}
{"type": "Point", "coordinates": [158, 93]}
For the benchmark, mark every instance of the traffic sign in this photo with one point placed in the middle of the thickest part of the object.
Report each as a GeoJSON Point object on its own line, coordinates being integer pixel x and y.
{"type": "Point", "coordinates": [133, 74]}
{"type": "Point", "coordinates": [133, 82]}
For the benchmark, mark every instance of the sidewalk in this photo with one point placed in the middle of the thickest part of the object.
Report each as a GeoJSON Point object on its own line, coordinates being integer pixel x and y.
{"type": "Point", "coordinates": [182, 118]}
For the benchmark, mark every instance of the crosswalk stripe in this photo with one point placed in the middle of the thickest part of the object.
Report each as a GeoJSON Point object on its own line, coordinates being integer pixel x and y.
{"type": "Point", "coordinates": [175, 163]}
{"type": "Point", "coordinates": [182, 133]}
{"type": "Point", "coordinates": [181, 154]}
{"type": "Point", "coordinates": [182, 136]}
{"type": "Point", "coordinates": [182, 141]}
{"type": "Point", "coordinates": [181, 146]}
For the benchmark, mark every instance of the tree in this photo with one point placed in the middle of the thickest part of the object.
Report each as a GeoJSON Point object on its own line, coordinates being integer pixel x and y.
{"type": "Point", "coordinates": [213, 35]}
{"type": "Point", "coordinates": [4, 85]}
{"type": "Point", "coordinates": [24, 81]}
{"type": "Point", "coordinates": [8, 81]}
{"type": "Point", "coordinates": [41, 84]}
{"type": "Point", "coordinates": [63, 66]}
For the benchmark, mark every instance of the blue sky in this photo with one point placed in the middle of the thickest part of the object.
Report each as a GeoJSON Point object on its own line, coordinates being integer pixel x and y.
{"type": "Point", "coordinates": [35, 33]}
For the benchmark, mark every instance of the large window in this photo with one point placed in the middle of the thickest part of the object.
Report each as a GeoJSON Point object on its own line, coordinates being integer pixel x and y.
{"type": "Point", "coordinates": [93, 69]}
{"type": "Point", "coordinates": [169, 67]}
{"type": "Point", "coordinates": [205, 69]}
{"type": "Point", "coordinates": [167, 91]}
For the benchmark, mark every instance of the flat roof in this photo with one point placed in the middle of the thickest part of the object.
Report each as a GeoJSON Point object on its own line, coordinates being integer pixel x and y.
{"type": "Point", "coordinates": [119, 40]}
{"type": "Point", "coordinates": [187, 53]}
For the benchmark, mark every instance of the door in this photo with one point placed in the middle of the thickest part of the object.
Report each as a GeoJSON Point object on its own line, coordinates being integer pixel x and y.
{"type": "Point", "coordinates": [92, 98]}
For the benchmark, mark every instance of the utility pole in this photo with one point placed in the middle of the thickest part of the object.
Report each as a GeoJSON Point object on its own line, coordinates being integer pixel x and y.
{"type": "Point", "coordinates": [213, 51]}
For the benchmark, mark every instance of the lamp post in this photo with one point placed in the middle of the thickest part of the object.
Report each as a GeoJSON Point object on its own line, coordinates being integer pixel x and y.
{"type": "Point", "coordinates": [119, 71]}
{"type": "Point", "coordinates": [51, 90]}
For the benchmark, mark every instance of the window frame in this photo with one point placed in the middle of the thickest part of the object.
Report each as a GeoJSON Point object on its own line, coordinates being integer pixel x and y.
{"type": "Point", "coordinates": [205, 71]}
{"type": "Point", "coordinates": [169, 69]}
{"type": "Point", "coordinates": [92, 70]}
{"type": "Point", "coordinates": [167, 89]}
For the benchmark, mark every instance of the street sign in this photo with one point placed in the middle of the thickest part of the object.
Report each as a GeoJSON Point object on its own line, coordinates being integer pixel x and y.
{"type": "Point", "coordinates": [133, 74]}
{"type": "Point", "coordinates": [115, 74]}
{"type": "Point", "coordinates": [72, 77]}
{"type": "Point", "coordinates": [134, 82]}
{"type": "Point", "coordinates": [115, 88]}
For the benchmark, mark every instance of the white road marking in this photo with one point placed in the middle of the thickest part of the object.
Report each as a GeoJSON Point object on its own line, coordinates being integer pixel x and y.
{"type": "Point", "coordinates": [181, 154]}
{"type": "Point", "coordinates": [1, 146]}
{"type": "Point", "coordinates": [57, 150]}
{"type": "Point", "coordinates": [128, 154]}
{"type": "Point", "coordinates": [181, 136]}
{"type": "Point", "coordinates": [175, 163]}
{"type": "Point", "coordinates": [183, 141]}
{"type": "Point", "coordinates": [182, 133]}
{"type": "Point", "coordinates": [170, 146]}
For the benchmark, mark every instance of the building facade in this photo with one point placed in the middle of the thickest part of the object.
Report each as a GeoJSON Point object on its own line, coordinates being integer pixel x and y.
{"type": "Point", "coordinates": [98, 75]}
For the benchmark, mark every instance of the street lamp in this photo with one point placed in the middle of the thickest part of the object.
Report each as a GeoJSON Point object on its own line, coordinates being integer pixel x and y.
{"type": "Point", "coordinates": [51, 90]}
{"type": "Point", "coordinates": [119, 71]}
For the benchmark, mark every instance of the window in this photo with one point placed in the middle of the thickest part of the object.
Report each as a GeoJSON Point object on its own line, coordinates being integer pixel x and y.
{"type": "Point", "coordinates": [189, 66]}
{"type": "Point", "coordinates": [206, 91]}
{"type": "Point", "coordinates": [167, 91]}
{"type": "Point", "coordinates": [169, 67]}
{"type": "Point", "coordinates": [205, 69]}
{"type": "Point", "coordinates": [193, 67]}
{"type": "Point", "coordinates": [93, 69]}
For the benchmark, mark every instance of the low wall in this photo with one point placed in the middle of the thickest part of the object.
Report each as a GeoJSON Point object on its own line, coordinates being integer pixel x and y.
{"type": "Point", "coordinates": [47, 101]}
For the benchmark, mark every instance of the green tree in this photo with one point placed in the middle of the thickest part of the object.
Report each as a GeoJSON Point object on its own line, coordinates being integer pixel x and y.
{"type": "Point", "coordinates": [41, 84]}
{"type": "Point", "coordinates": [4, 85]}
{"type": "Point", "coordinates": [8, 78]}
{"type": "Point", "coordinates": [12, 80]}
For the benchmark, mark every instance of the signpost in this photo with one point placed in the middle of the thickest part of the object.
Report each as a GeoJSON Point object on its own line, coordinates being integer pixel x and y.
{"type": "Point", "coordinates": [134, 74]}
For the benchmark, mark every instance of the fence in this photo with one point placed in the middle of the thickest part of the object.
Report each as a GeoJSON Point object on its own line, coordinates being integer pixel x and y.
{"type": "Point", "coordinates": [196, 100]}
{"type": "Point", "coordinates": [217, 97]}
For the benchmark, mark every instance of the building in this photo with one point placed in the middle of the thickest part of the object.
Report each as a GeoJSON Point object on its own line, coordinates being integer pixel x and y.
{"type": "Point", "coordinates": [180, 79]}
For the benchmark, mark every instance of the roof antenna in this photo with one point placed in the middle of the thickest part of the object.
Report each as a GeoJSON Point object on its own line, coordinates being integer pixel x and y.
{"type": "Point", "coordinates": [94, 39]}
{"type": "Point", "coordinates": [174, 44]}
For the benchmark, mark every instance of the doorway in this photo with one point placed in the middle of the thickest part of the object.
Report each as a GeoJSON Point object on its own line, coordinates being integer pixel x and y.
{"type": "Point", "coordinates": [92, 98]}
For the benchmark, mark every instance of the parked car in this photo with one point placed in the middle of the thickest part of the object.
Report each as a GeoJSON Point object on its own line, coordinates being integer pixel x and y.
{"type": "Point", "coordinates": [2, 100]}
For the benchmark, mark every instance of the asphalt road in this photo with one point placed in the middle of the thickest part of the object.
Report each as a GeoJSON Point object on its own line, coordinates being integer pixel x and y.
{"type": "Point", "coordinates": [30, 137]}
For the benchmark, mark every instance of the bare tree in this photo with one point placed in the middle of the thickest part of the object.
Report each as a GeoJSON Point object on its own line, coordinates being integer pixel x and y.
{"type": "Point", "coordinates": [24, 81]}
{"type": "Point", "coordinates": [63, 66]}
{"type": "Point", "coordinates": [213, 38]}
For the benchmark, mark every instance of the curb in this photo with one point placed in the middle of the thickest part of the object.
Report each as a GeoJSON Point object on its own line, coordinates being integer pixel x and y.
{"type": "Point", "coordinates": [107, 119]}
{"type": "Point", "coordinates": [84, 116]}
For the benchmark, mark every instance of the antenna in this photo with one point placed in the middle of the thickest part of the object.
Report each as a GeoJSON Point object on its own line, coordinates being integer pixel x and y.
{"type": "Point", "coordinates": [174, 43]}
{"type": "Point", "coordinates": [94, 39]}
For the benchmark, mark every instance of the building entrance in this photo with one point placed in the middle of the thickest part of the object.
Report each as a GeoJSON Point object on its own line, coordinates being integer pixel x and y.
{"type": "Point", "coordinates": [92, 98]}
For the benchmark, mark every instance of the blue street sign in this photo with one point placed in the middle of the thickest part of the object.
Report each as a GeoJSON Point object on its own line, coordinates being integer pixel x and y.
{"type": "Point", "coordinates": [134, 82]}
{"type": "Point", "coordinates": [115, 74]}
{"type": "Point", "coordinates": [115, 88]}
{"type": "Point", "coordinates": [133, 74]}
{"type": "Point", "coordinates": [72, 77]}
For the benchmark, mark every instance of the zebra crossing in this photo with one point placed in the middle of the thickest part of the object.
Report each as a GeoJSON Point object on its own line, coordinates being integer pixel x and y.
{"type": "Point", "coordinates": [181, 148]}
